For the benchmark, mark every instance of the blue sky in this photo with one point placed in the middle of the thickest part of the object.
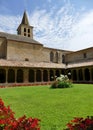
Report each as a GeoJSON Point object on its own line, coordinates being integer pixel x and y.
{"type": "Point", "coordinates": [63, 24]}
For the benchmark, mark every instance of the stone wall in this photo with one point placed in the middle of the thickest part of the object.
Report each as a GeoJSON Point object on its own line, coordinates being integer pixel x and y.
{"type": "Point", "coordinates": [80, 56]}
{"type": "Point", "coordinates": [24, 51]}
{"type": "Point", "coordinates": [47, 51]}
{"type": "Point", "coordinates": [3, 48]}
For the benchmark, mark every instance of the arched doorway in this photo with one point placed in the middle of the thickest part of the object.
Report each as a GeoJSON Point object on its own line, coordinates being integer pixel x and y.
{"type": "Point", "coordinates": [63, 71]}
{"type": "Point", "coordinates": [45, 75]}
{"type": "Point", "coordinates": [2, 76]}
{"type": "Point", "coordinates": [92, 73]}
{"type": "Point", "coordinates": [87, 74]}
{"type": "Point", "coordinates": [57, 73]}
{"type": "Point", "coordinates": [31, 75]}
{"type": "Point", "coordinates": [38, 75]}
{"type": "Point", "coordinates": [74, 75]}
{"type": "Point", "coordinates": [11, 76]}
{"type": "Point", "coordinates": [80, 74]}
{"type": "Point", "coordinates": [69, 74]}
{"type": "Point", "coordinates": [19, 75]}
{"type": "Point", "coordinates": [51, 72]}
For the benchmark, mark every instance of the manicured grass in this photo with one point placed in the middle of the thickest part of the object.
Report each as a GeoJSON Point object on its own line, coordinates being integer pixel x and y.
{"type": "Point", "coordinates": [55, 107]}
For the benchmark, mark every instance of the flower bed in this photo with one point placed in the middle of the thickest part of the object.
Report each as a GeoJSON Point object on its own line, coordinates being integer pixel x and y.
{"type": "Point", "coordinates": [80, 124]}
{"type": "Point", "coordinates": [9, 122]}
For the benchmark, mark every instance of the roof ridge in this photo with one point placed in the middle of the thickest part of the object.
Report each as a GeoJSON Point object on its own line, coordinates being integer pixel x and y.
{"type": "Point", "coordinates": [18, 38]}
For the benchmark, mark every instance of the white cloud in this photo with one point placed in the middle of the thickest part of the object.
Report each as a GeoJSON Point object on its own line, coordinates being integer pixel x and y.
{"type": "Point", "coordinates": [82, 32]}
{"type": "Point", "coordinates": [54, 28]}
{"type": "Point", "coordinates": [9, 23]}
{"type": "Point", "coordinates": [61, 28]}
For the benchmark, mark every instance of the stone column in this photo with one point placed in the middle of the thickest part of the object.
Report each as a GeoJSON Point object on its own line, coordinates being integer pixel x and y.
{"type": "Point", "coordinates": [25, 75]}
{"type": "Point", "coordinates": [83, 74]}
{"type": "Point", "coordinates": [72, 75]}
{"type": "Point", "coordinates": [15, 75]}
{"type": "Point", "coordinates": [41, 75]}
{"type": "Point", "coordinates": [90, 72]}
{"type": "Point", "coordinates": [35, 76]}
{"type": "Point", "coordinates": [77, 73]}
{"type": "Point", "coordinates": [60, 72]}
{"type": "Point", "coordinates": [48, 75]}
{"type": "Point", "coordinates": [54, 74]}
{"type": "Point", "coordinates": [6, 80]}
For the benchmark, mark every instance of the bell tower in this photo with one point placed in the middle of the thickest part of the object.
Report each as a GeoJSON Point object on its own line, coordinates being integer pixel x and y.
{"type": "Point", "coordinates": [24, 28]}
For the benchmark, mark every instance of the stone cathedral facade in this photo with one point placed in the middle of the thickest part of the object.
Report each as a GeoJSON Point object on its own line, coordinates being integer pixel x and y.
{"type": "Point", "coordinates": [25, 61]}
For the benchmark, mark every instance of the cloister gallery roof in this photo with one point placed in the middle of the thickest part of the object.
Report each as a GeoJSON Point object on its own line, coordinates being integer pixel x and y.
{"type": "Point", "coordinates": [18, 38]}
{"type": "Point", "coordinates": [8, 63]}
{"type": "Point", "coordinates": [80, 64]}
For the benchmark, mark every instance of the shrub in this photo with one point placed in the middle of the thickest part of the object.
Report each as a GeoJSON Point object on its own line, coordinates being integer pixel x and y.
{"type": "Point", "coordinates": [9, 122]}
{"type": "Point", "coordinates": [54, 84]}
{"type": "Point", "coordinates": [62, 82]}
{"type": "Point", "coordinates": [81, 124]}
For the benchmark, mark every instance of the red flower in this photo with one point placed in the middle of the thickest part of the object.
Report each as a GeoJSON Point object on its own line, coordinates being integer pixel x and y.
{"type": "Point", "coordinates": [9, 122]}
{"type": "Point", "coordinates": [81, 124]}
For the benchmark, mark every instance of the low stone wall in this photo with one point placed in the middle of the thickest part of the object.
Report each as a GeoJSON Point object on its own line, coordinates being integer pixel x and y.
{"type": "Point", "coordinates": [6, 85]}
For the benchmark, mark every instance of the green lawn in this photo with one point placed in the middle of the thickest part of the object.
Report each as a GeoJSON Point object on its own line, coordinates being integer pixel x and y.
{"type": "Point", "coordinates": [55, 107]}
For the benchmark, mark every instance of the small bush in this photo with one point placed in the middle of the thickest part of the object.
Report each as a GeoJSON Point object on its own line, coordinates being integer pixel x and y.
{"type": "Point", "coordinates": [54, 84]}
{"type": "Point", "coordinates": [62, 82]}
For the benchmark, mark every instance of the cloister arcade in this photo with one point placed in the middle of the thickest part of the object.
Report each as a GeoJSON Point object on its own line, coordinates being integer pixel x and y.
{"type": "Point", "coordinates": [31, 75]}
{"type": "Point", "coordinates": [37, 75]}
{"type": "Point", "coordinates": [82, 75]}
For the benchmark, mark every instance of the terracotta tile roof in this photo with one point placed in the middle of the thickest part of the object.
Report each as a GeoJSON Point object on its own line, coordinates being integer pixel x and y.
{"type": "Point", "coordinates": [7, 63]}
{"type": "Point", "coordinates": [18, 38]}
{"type": "Point", "coordinates": [80, 51]}
{"type": "Point", "coordinates": [27, 64]}
{"type": "Point", "coordinates": [80, 64]}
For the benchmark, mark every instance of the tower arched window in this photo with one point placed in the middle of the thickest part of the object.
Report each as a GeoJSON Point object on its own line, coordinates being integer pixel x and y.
{"type": "Point", "coordinates": [20, 75]}
{"type": "Point", "coordinates": [24, 29]}
{"type": "Point", "coordinates": [28, 30]}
